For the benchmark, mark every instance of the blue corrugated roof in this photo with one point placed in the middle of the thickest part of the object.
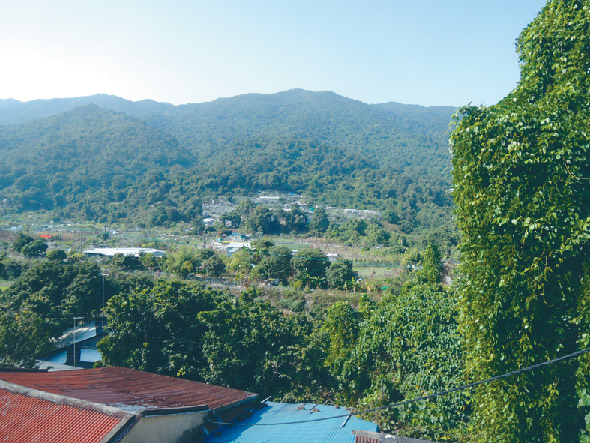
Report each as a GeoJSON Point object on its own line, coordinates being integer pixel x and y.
{"type": "Point", "coordinates": [326, 431]}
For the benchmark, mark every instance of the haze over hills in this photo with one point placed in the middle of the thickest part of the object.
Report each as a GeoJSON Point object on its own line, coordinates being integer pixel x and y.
{"type": "Point", "coordinates": [100, 156]}
{"type": "Point", "coordinates": [14, 111]}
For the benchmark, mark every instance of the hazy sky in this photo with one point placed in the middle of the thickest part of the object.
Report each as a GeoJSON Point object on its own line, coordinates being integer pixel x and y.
{"type": "Point", "coordinates": [427, 52]}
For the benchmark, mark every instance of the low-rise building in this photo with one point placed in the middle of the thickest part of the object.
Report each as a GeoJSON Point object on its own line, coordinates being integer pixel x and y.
{"type": "Point", "coordinates": [120, 405]}
{"type": "Point", "coordinates": [28, 415]}
{"type": "Point", "coordinates": [231, 247]}
{"type": "Point", "coordinates": [136, 252]}
{"type": "Point", "coordinates": [76, 347]}
{"type": "Point", "coordinates": [378, 437]}
{"type": "Point", "coordinates": [108, 405]}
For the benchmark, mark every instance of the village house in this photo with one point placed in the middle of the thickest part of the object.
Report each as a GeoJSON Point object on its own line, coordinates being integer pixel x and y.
{"type": "Point", "coordinates": [289, 422]}
{"type": "Point", "coordinates": [109, 405]}
{"type": "Point", "coordinates": [120, 405]}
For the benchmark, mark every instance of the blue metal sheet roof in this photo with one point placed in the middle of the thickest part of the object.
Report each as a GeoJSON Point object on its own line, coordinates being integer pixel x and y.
{"type": "Point", "coordinates": [326, 431]}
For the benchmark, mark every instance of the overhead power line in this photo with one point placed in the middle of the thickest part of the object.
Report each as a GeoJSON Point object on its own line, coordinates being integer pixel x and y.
{"type": "Point", "coordinates": [424, 397]}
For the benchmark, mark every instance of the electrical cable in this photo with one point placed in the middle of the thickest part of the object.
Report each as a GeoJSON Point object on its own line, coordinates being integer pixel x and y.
{"type": "Point", "coordinates": [424, 397]}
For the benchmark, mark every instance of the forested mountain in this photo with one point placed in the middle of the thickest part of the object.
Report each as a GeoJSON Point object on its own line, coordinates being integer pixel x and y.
{"type": "Point", "coordinates": [336, 150]}
{"type": "Point", "coordinates": [324, 117]}
{"type": "Point", "coordinates": [81, 159]}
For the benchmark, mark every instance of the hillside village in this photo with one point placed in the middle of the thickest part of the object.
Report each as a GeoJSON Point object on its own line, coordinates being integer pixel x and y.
{"type": "Point", "coordinates": [295, 266]}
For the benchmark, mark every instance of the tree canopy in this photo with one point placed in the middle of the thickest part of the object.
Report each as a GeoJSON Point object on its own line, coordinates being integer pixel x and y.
{"type": "Point", "coordinates": [40, 305]}
{"type": "Point", "coordinates": [183, 329]}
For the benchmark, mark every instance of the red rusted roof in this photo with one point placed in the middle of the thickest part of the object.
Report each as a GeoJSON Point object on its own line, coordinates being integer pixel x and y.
{"type": "Point", "coordinates": [129, 389]}
{"type": "Point", "coordinates": [29, 419]}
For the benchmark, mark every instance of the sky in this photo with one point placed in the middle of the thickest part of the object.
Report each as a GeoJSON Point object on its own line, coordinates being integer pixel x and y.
{"type": "Point", "coordinates": [426, 52]}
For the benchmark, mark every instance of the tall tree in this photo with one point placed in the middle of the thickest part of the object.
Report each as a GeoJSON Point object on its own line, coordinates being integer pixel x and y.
{"type": "Point", "coordinates": [340, 274]}
{"type": "Point", "coordinates": [522, 189]}
{"type": "Point", "coordinates": [157, 329]}
{"type": "Point", "coordinates": [310, 267]}
{"type": "Point", "coordinates": [277, 264]}
{"type": "Point", "coordinates": [29, 246]}
{"type": "Point", "coordinates": [432, 266]}
{"type": "Point", "coordinates": [319, 222]}
{"type": "Point", "coordinates": [40, 305]}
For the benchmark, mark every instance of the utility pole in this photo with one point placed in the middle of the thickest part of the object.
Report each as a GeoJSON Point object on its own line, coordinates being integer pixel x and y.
{"type": "Point", "coordinates": [102, 312]}
{"type": "Point", "coordinates": [75, 318]}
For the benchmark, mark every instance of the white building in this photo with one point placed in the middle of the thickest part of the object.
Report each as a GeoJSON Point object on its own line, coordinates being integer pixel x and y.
{"type": "Point", "coordinates": [111, 252]}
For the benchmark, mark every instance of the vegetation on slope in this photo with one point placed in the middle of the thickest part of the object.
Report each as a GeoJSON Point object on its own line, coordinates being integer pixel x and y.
{"type": "Point", "coordinates": [95, 164]}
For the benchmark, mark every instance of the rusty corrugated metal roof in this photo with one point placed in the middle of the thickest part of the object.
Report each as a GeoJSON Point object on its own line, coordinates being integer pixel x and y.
{"type": "Point", "coordinates": [29, 419]}
{"type": "Point", "coordinates": [129, 389]}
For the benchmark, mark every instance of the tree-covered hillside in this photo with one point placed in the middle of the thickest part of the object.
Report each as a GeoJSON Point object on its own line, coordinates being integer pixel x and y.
{"type": "Point", "coordinates": [324, 117]}
{"type": "Point", "coordinates": [81, 160]}
{"type": "Point", "coordinates": [335, 150]}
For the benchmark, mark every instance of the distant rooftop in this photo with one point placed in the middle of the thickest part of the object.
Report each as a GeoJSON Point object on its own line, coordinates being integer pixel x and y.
{"type": "Point", "coordinates": [329, 430]}
{"type": "Point", "coordinates": [81, 333]}
{"type": "Point", "coordinates": [129, 389]}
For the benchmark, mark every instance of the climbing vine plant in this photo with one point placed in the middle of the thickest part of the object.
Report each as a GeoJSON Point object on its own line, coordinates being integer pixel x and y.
{"type": "Point", "coordinates": [522, 190]}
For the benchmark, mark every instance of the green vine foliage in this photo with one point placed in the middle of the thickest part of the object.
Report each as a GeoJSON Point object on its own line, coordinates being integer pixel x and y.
{"type": "Point", "coordinates": [522, 190]}
{"type": "Point", "coordinates": [584, 342]}
{"type": "Point", "coordinates": [411, 343]}
{"type": "Point", "coordinates": [402, 347]}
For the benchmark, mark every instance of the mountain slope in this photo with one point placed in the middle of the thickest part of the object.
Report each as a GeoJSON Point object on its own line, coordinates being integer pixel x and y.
{"type": "Point", "coordinates": [397, 133]}
{"type": "Point", "coordinates": [324, 117]}
{"type": "Point", "coordinates": [335, 150]}
{"type": "Point", "coordinates": [83, 158]}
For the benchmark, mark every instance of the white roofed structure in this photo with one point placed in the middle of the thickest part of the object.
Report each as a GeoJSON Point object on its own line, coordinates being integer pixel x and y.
{"type": "Point", "coordinates": [111, 252]}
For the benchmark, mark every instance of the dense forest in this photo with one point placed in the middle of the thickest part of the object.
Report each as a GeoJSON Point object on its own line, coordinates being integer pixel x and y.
{"type": "Point", "coordinates": [149, 163]}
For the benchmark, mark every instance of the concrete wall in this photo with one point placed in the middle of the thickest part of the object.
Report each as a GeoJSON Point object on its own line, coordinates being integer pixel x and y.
{"type": "Point", "coordinates": [173, 428]}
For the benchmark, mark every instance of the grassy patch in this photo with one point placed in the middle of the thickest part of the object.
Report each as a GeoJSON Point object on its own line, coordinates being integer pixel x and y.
{"type": "Point", "coordinates": [4, 285]}
{"type": "Point", "coordinates": [377, 272]}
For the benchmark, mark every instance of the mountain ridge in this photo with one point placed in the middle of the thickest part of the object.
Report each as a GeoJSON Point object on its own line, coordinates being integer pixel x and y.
{"type": "Point", "coordinates": [23, 111]}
